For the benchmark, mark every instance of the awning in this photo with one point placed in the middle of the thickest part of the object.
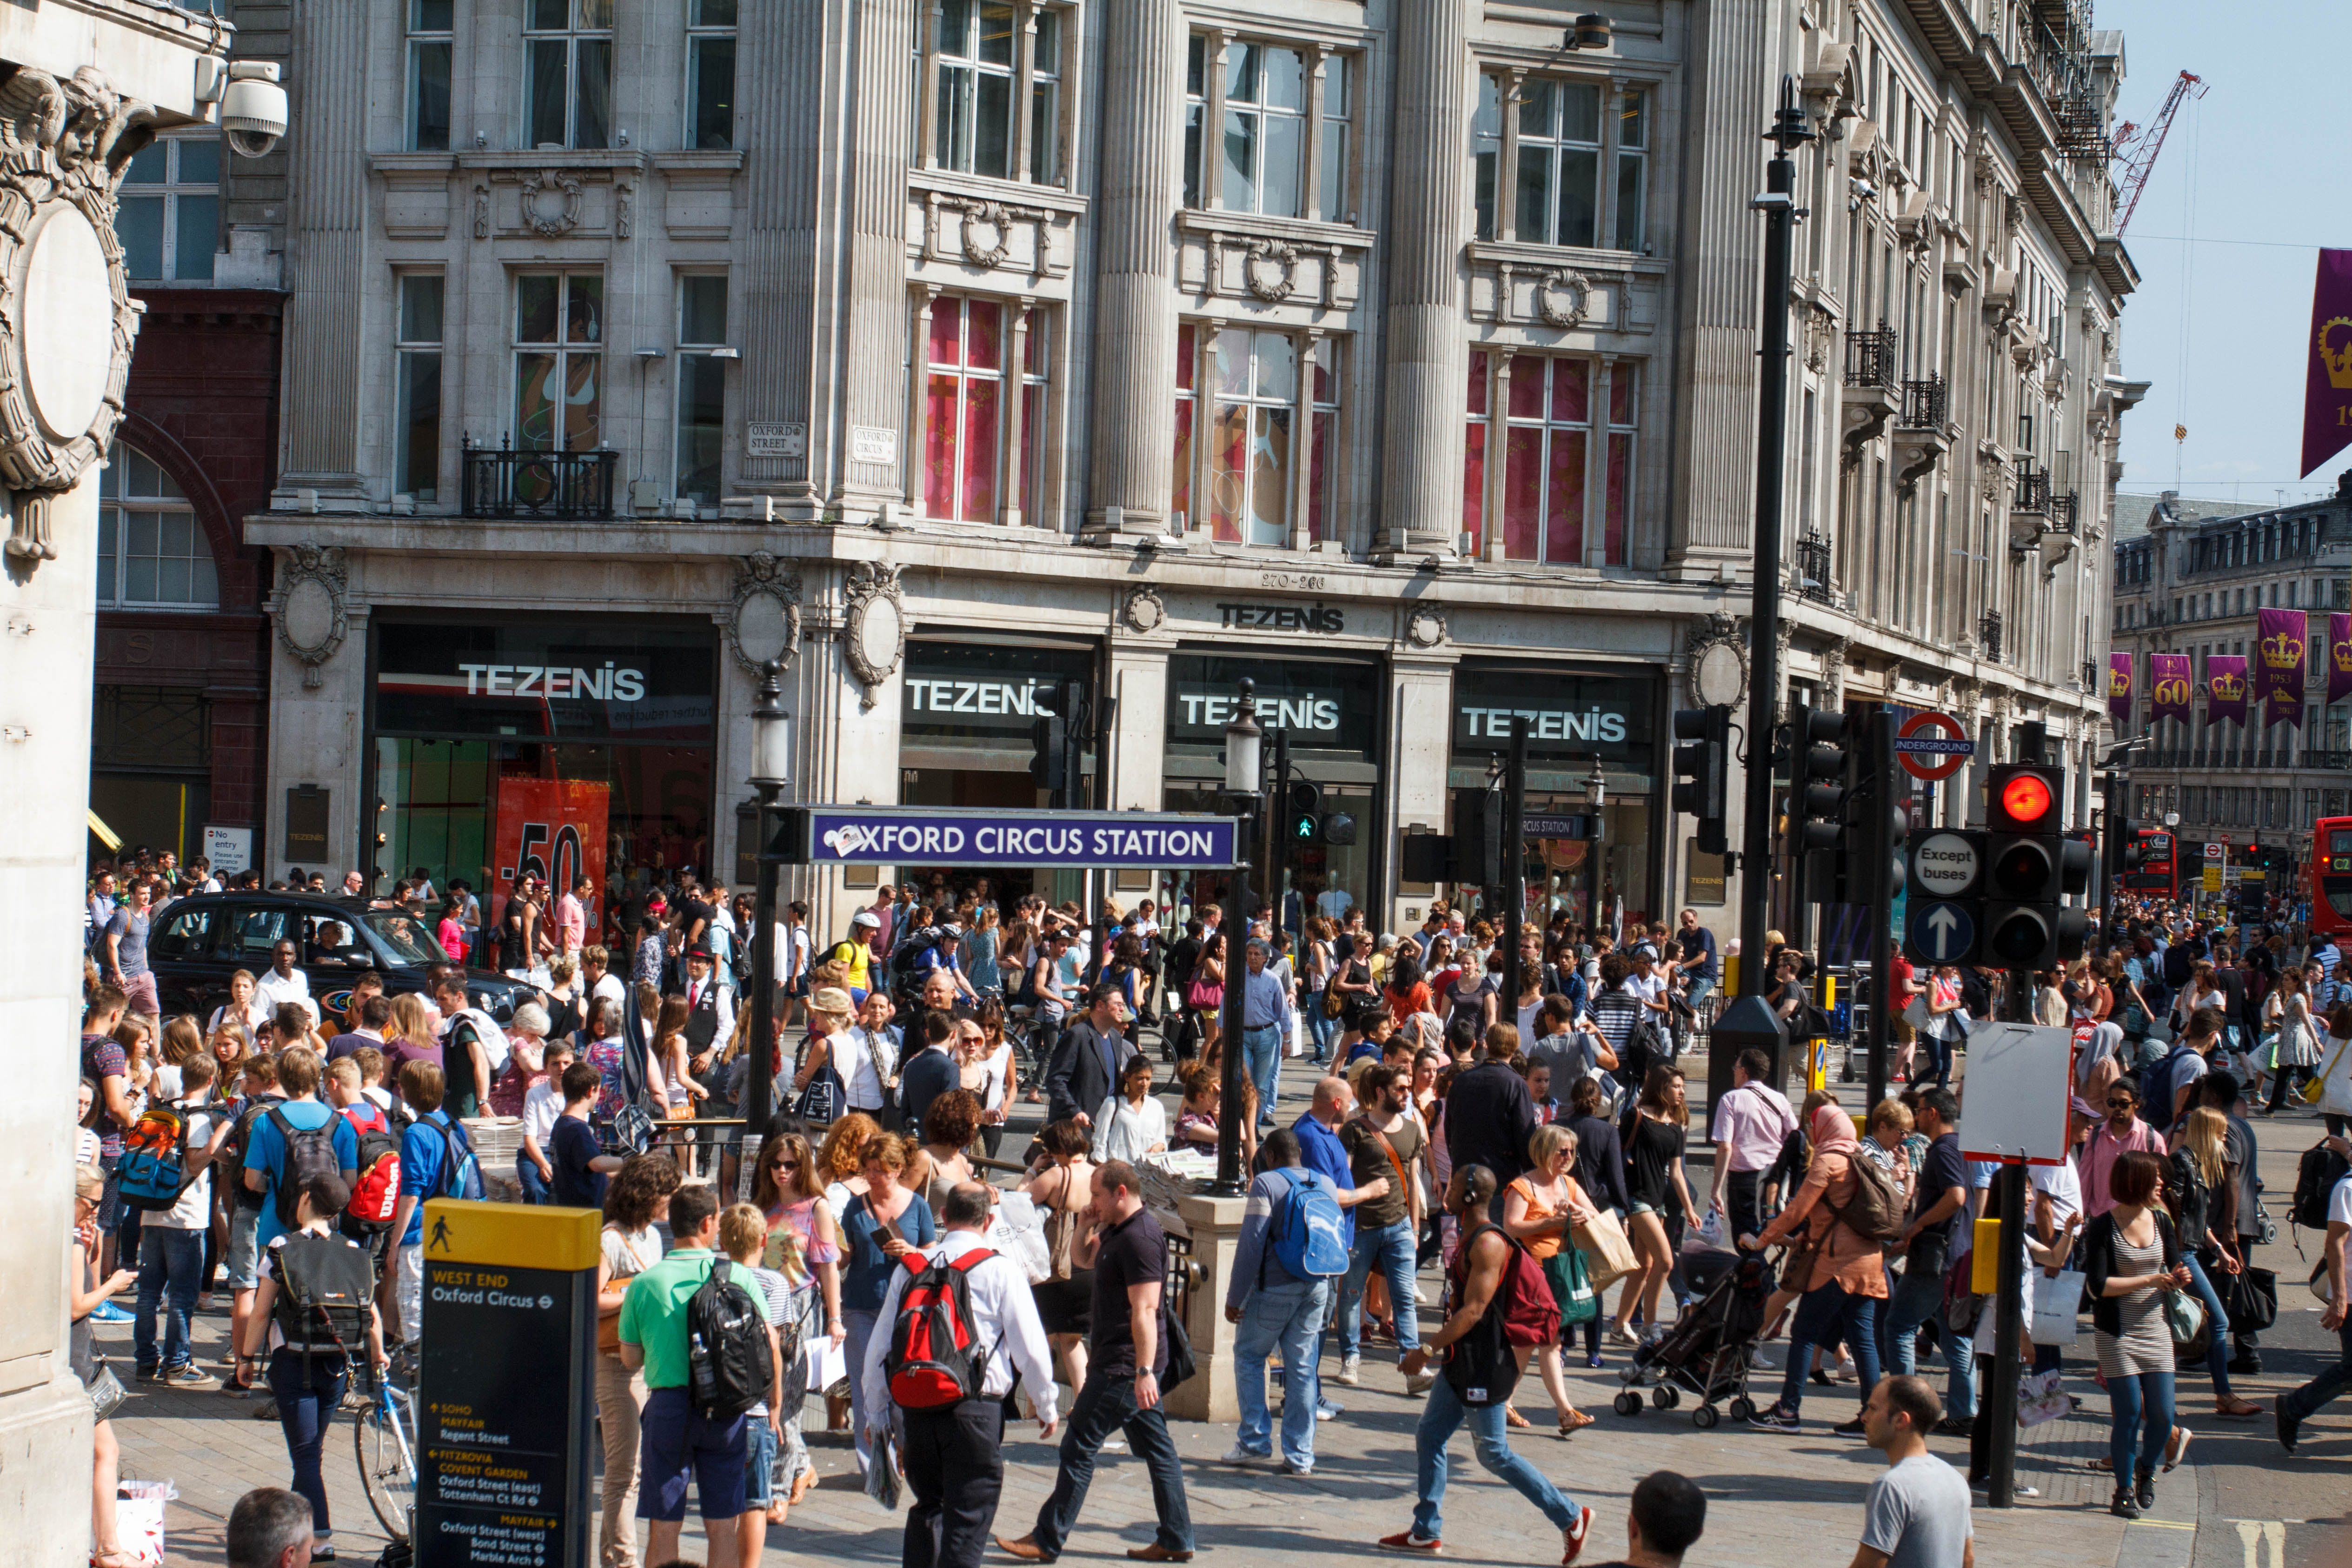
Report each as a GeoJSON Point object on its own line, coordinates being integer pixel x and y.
{"type": "Point", "coordinates": [105, 835]}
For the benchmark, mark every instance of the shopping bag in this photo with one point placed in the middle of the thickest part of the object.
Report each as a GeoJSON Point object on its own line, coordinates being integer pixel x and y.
{"type": "Point", "coordinates": [1710, 1230]}
{"type": "Point", "coordinates": [139, 1520]}
{"type": "Point", "coordinates": [828, 1364]}
{"type": "Point", "coordinates": [1916, 1013]}
{"type": "Point", "coordinates": [1569, 1274]}
{"type": "Point", "coordinates": [2251, 1296]}
{"type": "Point", "coordinates": [1607, 1252]}
{"type": "Point", "coordinates": [2055, 1305]}
{"type": "Point", "coordinates": [2041, 1398]}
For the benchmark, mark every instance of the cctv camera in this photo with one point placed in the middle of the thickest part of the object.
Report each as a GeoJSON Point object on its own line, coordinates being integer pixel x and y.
{"type": "Point", "coordinates": [253, 109]}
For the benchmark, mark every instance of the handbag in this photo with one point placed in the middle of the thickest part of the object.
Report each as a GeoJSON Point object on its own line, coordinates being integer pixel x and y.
{"type": "Point", "coordinates": [1916, 1013]}
{"type": "Point", "coordinates": [1335, 1002]}
{"type": "Point", "coordinates": [1204, 995]}
{"type": "Point", "coordinates": [2250, 1298]}
{"type": "Point", "coordinates": [1182, 1363]}
{"type": "Point", "coordinates": [2184, 1314]}
{"type": "Point", "coordinates": [2317, 1090]}
{"type": "Point", "coordinates": [106, 1393]}
{"type": "Point", "coordinates": [1570, 1277]}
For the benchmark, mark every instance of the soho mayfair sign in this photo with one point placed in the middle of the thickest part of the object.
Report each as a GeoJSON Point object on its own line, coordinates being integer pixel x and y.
{"type": "Point", "coordinates": [914, 834]}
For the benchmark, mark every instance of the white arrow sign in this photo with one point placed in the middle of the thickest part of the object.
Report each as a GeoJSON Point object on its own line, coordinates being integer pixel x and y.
{"type": "Point", "coordinates": [1941, 922]}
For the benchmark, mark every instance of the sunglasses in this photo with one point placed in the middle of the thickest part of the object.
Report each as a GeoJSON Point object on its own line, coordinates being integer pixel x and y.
{"type": "Point", "coordinates": [2121, 1101]}
{"type": "Point", "coordinates": [783, 1165]}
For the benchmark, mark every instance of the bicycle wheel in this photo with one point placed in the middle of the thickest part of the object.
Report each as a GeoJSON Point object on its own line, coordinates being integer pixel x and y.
{"type": "Point", "coordinates": [385, 1436]}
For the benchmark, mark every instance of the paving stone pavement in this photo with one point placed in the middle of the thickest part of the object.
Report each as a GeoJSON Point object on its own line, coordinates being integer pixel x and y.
{"type": "Point", "coordinates": [1773, 1499]}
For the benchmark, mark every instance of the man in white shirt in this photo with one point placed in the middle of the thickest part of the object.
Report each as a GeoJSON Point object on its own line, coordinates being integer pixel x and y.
{"type": "Point", "coordinates": [596, 974]}
{"type": "Point", "coordinates": [954, 1456]}
{"type": "Point", "coordinates": [282, 982]}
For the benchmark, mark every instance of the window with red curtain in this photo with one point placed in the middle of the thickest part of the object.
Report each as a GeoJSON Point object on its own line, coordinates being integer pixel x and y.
{"type": "Point", "coordinates": [1546, 426]}
{"type": "Point", "coordinates": [1617, 504]}
{"type": "Point", "coordinates": [1323, 460]}
{"type": "Point", "coordinates": [1180, 490]}
{"type": "Point", "coordinates": [1474, 463]}
{"type": "Point", "coordinates": [962, 417]}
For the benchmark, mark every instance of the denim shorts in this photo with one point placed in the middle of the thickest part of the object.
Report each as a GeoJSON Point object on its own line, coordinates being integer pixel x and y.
{"type": "Point", "coordinates": [678, 1442]}
{"type": "Point", "coordinates": [1641, 1207]}
{"type": "Point", "coordinates": [759, 1462]}
{"type": "Point", "coordinates": [243, 1248]}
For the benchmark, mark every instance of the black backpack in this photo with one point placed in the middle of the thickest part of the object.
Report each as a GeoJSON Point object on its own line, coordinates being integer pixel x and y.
{"type": "Point", "coordinates": [308, 1151]}
{"type": "Point", "coordinates": [2154, 1090]}
{"type": "Point", "coordinates": [325, 1286]}
{"type": "Point", "coordinates": [2316, 1175]}
{"type": "Point", "coordinates": [730, 1363]}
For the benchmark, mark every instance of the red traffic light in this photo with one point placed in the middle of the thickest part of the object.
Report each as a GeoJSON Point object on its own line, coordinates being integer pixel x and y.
{"type": "Point", "coordinates": [2025, 798]}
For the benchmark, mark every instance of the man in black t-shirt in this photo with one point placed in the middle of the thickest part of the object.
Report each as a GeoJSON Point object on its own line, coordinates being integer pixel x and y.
{"type": "Point", "coordinates": [1938, 1211]}
{"type": "Point", "coordinates": [1128, 1354]}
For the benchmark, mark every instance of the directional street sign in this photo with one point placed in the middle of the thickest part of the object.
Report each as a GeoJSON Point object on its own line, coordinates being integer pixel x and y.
{"type": "Point", "coordinates": [1943, 933]}
{"type": "Point", "coordinates": [1945, 865]}
{"type": "Point", "coordinates": [1933, 746]}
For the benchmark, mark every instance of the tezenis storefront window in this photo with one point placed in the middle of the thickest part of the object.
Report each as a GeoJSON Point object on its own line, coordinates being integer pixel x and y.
{"type": "Point", "coordinates": [544, 748]}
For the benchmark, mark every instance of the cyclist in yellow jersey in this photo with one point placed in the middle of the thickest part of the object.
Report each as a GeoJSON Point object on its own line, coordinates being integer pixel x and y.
{"type": "Point", "coordinates": [855, 955]}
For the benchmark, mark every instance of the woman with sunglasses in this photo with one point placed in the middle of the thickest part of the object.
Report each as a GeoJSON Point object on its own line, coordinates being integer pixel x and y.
{"type": "Point", "coordinates": [804, 1246]}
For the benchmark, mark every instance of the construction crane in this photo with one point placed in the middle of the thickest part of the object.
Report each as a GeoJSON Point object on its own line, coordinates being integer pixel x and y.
{"type": "Point", "coordinates": [2136, 149]}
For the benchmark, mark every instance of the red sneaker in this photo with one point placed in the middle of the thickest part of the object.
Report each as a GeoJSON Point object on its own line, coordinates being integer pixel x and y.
{"type": "Point", "coordinates": [1411, 1540]}
{"type": "Point", "coordinates": [1576, 1535]}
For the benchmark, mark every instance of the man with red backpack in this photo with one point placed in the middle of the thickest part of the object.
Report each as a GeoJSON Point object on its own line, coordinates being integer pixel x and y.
{"type": "Point", "coordinates": [1498, 1294]}
{"type": "Point", "coordinates": [964, 1322]}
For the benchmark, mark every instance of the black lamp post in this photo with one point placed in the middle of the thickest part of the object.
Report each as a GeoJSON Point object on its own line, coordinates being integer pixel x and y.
{"type": "Point", "coordinates": [1244, 741]}
{"type": "Point", "coordinates": [1596, 795]}
{"type": "Point", "coordinates": [771, 762]}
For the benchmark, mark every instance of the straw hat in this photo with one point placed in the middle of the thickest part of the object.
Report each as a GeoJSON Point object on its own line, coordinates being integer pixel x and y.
{"type": "Point", "coordinates": [832, 1000]}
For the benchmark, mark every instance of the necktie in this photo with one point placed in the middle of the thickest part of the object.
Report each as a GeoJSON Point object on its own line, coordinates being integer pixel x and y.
{"type": "Point", "coordinates": [693, 993]}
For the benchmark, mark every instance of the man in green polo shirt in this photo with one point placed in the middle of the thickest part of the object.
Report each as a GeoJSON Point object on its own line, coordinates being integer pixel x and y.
{"type": "Point", "coordinates": [652, 1336]}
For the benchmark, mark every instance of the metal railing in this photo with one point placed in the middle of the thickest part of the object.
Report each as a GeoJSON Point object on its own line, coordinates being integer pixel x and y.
{"type": "Point", "coordinates": [1870, 358]}
{"type": "Point", "coordinates": [1988, 635]}
{"type": "Point", "coordinates": [2064, 512]}
{"type": "Point", "coordinates": [505, 482]}
{"type": "Point", "coordinates": [1927, 404]}
{"type": "Point", "coordinates": [1813, 567]}
{"type": "Point", "coordinates": [2032, 491]}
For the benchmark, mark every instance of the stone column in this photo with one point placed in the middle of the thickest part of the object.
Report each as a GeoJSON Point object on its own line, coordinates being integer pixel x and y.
{"type": "Point", "coordinates": [1427, 403]}
{"type": "Point", "coordinates": [1134, 309]}
{"type": "Point", "coordinates": [1216, 1227]}
{"type": "Point", "coordinates": [868, 450]}
{"type": "Point", "coordinates": [1139, 677]}
{"type": "Point", "coordinates": [777, 268]}
{"type": "Point", "coordinates": [327, 260]}
{"type": "Point", "coordinates": [1420, 694]}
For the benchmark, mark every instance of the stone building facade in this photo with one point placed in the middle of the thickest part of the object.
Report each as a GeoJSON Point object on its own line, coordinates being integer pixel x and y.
{"type": "Point", "coordinates": [1397, 354]}
{"type": "Point", "coordinates": [2191, 579]}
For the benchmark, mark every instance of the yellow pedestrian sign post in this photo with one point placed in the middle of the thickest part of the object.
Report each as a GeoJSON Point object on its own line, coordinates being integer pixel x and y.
{"type": "Point", "coordinates": [505, 1405]}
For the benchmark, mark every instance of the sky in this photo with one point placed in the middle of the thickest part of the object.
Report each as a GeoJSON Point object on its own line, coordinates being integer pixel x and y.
{"type": "Point", "coordinates": [2218, 330]}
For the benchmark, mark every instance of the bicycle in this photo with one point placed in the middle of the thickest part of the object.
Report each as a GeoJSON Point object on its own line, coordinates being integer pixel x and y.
{"type": "Point", "coordinates": [384, 1433]}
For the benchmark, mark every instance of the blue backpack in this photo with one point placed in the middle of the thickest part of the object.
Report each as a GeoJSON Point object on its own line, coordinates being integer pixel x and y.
{"type": "Point", "coordinates": [461, 1172]}
{"type": "Point", "coordinates": [1306, 1234]}
{"type": "Point", "coordinates": [2155, 1087]}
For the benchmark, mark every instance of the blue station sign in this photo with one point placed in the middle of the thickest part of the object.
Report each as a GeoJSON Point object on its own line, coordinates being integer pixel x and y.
{"type": "Point", "coordinates": [946, 836]}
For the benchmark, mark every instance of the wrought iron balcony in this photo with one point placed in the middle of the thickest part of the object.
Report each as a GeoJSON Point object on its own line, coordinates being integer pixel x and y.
{"type": "Point", "coordinates": [1870, 358]}
{"type": "Point", "coordinates": [2032, 491]}
{"type": "Point", "coordinates": [1988, 635]}
{"type": "Point", "coordinates": [1927, 404]}
{"type": "Point", "coordinates": [2064, 512]}
{"type": "Point", "coordinates": [559, 486]}
{"type": "Point", "coordinates": [1814, 567]}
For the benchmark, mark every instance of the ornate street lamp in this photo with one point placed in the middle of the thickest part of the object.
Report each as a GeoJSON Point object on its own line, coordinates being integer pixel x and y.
{"type": "Point", "coordinates": [1243, 740]}
{"type": "Point", "coordinates": [772, 769]}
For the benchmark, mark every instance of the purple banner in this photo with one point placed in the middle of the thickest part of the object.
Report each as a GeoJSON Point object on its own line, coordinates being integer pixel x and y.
{"type": "Point", "coordinates": [2225, 687]}
{"type": "Point", "coordinates": [2119, 689]}
{"type": "Point", "coordinates": [2339, 656]}
{"type": "Point", "coordinates": [2167, 686]}
{"type": "Point", "coordinates": [2283, 646]}
{"type": "Point", "coordinates": [2327, 381]}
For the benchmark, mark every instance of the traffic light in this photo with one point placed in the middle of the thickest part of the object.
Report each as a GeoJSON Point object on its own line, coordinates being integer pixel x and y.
{"type": "Point", "coordinates": [2030, 867]}
{"type": "Point", "coordinates": [1699, 770]}
{"type": "Point", "coordinates": [1303, 817]}
{"type": "Point", "coordinates": [1048, 746]}
{"type": "Point", "coordinates": [1820, 783]}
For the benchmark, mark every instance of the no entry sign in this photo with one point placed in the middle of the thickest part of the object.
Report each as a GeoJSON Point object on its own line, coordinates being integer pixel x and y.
{"type": "Point", "coordinates": [1932, 746]}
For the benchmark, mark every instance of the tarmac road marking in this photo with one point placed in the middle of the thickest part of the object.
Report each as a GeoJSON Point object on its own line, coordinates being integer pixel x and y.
{"type": "Point", "coordinates": [2256, 1532]}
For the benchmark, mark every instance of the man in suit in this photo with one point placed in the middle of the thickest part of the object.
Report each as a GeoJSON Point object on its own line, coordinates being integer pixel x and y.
{"type": "Point", "coordinates": [929, 1072]}
{"type": "Point", "coordinates": [1086, 1064]}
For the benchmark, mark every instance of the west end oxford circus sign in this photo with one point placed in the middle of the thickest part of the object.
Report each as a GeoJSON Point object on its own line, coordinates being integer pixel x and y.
{"type": "Point", "coordinates": [914, 834]}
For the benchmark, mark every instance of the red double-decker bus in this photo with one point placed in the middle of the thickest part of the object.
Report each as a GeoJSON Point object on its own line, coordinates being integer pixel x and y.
{"type": "Point", "coordinates": [2158, 871]}
{"type": "Point", "coordinates": [2327, 885]}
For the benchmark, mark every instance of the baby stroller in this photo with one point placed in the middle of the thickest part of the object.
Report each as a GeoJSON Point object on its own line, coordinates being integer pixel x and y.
{"type": "Point", "coordinates": [1709, 1350]}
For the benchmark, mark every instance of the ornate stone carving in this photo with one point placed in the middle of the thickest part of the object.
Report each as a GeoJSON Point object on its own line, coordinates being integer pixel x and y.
{"type": "Point", "coordinates": [63, 149]}
{"type": "Point", "coordinates": [481, 211]}
{"type": "Point", "coordinates": [623, 219]}
{"type": "Point", "coordinates": [987, 234]}
{"type": "Point", "coordinates": [310, 619]}
{"type": "Point", "coordinates": [1833, 675]}
{"type": "Point", "coordinates": [551, 202]}
{"type": "Point", "coordinates": [1144, 610]}
{"type": "Point", "coordinates": [1425, 627]}
{"type": "Point", "coordinates": [874, 624]}
{"type": "Point", "coordinates": [1703, 663]}
{"type": "Point", "coordinates": [764, 621]}
{"type": "Point", "coordinates": [1274, 287]}
{"type": "Point", "coordinates": [1567, 281]}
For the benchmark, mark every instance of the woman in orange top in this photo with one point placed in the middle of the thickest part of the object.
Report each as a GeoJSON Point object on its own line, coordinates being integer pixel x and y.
{"type": "Point", "coordinates": [1846, 1279]}
{"type": "Point", "coordinates": [1538, 1210]}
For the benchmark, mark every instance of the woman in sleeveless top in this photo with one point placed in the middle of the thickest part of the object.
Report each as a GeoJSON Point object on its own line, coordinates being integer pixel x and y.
{"type": "Point", "coordinates": [1061, 1185]}
{"type": "Point", "coordinates": [1539, 1208]}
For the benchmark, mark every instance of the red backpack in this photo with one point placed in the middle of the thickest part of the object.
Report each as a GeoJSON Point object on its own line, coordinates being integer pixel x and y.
{"type": "Point", "coordinates": [1530, 1315]}
{"type": "Point", "coordinates": [936, 1361]}
{"type": "Point", "coordinates": [375, 1186]}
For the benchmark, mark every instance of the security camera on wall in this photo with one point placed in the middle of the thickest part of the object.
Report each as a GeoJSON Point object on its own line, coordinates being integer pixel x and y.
{"type": "Point", "coordinates": [253, 109]}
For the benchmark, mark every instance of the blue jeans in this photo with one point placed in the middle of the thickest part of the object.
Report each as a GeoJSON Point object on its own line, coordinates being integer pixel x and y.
{"type": "Point", "coordinates": [171, 1266]}
{"type": "Point", "coordinates": [1935, 1057]}
{"type": "Point", "coordinates": [2217, 1348]}
{"type": "Point", "coordinates": [534, 1185]}
{"type": "Point", "coordinates": [309, 1394]}
{"type": "Point", "coordinates": [1490, 1440]}
{"type": "Point", "coordinates": [1911, 1302]}
{"type": "Point", "coordinates": [1390, 1248]}
{"type": "Point", "coordinates": [1321, 1029]}
{"type": "Point", "coordinates": [2331, 1381]}
{"type": "Point", "coordinates": [1830, 1311]}
{"type": "Point", "coordinates": [1288, 1314]}
{"type": "Point", "coordinates": [1107, 1403]}
{"type": "Point", "coordinates": [2143, 1400]}
{"type": "Point", "coordinates": [1262, 1054]}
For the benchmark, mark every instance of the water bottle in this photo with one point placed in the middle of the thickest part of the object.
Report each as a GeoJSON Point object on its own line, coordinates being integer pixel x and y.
{"type": "Point", "coordinates": [705, 1380]}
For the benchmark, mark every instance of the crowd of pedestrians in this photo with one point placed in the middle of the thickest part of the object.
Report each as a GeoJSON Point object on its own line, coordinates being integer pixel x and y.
{"type": "Point", "coordinates": [1457, 1166]}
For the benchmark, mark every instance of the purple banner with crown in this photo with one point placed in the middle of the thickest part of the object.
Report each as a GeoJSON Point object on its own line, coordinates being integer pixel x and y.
{"type": "Point", "coordinates": [2119, 689]}
{"type": "Point", "coordinates": [2340, 657]}
{"type": "Point", "coordinates": [2281, 650]}
{"type": "Point", "coordinates": [2225, 687]}
{"type": "Point", "coordinates": [2167, 686]}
